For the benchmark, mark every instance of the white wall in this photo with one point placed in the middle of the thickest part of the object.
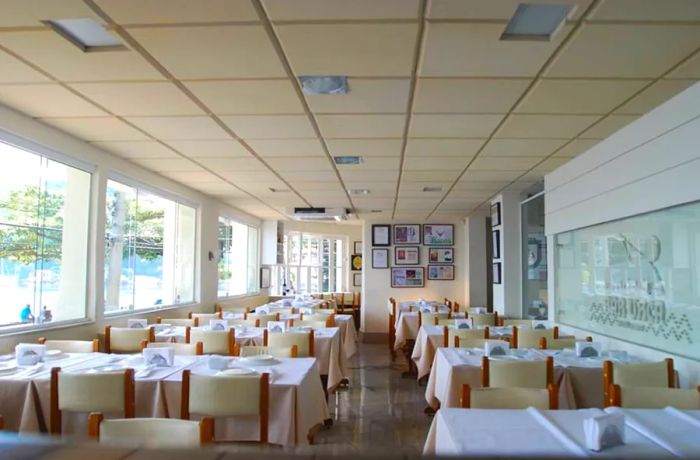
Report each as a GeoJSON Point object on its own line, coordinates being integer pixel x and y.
{"type": "Point", "coordinates": [475, 270]}
{"type": "Point", "coordinates": [651, 164]}
{"type": "Point", "coordinates": [507, 296]}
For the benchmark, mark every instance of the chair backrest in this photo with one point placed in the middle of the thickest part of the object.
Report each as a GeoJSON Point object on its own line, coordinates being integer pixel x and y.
{"type": "Point", "coordinates": [431, 319]}
{"type": "Point", "coordinates": [213, 342]}
{"type": "Point", "coordinates": [470, 342]}
{"type": "Point", "coordinates": [263, 319]}
{"type": "Point", "coordinates": [517, 322]}
{"type": "Point", "coordinates": [391, 306]}
{"type": "Point", "coordinates": [109, 392]}
{"type": "Point", "coordinates": [227, 396]}
{"type": "Point", "coordinates": [277, 352]}
{"type": "Point", "coordinates": [526, 374]}
{"type": "Point", "coordinates": [450, 333]}
{"type": "Point", "coordinates": [636, 397]}
{"type": "Point", "coordinates": [183, 349]}
{"type": "Point", "coordinates": [444, 321]}
{"type": "Point", "coordinates": [312, 324]}
{"type": "Point", "coordinates": [510, 398]}
{"type": "Point", "coordinates": [224, 308]}
{"type": "Point", "coordinates": [328, 318]}
{"type": "Point", "coordinates": [71, 346]}
{"type": "Point", "coordinates": [285, 311]}
{"type": "Point", "coordinates": [454, 307]}
{"type": "Point", "coordinates": [151, 432]}
{"type": "Point", "coordinates": [303, 340]}
{"type": "Point", "coordinates": [204, 318]}
{"type": "Point", "coordinates": [484, 319]}
{"type": "Point", "coordinates": [356, 300]}
{"type": "Point", "coordinates": [659, 374]}
{"type": "Point", "coordinates": [127, 340]}
{"type": "Point", "coordinates": [179, 322]}
{"type": "Point", "coordinates": [339, 298]}
{"type": "Point", "coordinates": [558, 344]}
{"type": "Point", "coordinates": [531, 338]}
{"type": "Point", "coordinates": [253, 322]}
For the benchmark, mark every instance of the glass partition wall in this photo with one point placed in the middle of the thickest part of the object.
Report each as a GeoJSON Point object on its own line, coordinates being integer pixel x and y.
{"type": "Point", "coordinates": [534, 258]}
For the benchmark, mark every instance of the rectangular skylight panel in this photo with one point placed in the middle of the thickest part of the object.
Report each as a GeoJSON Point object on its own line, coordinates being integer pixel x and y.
{"type": "Point", "coordinates": [538, 22]}
{"type": "Point", "coordinates": [348, 160]}
{"type": "Point", "coordinates": [86, 33]}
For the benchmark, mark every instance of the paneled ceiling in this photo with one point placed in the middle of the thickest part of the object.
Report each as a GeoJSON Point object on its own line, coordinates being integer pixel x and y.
{"type": "Point", "coordinates": [207, 93]}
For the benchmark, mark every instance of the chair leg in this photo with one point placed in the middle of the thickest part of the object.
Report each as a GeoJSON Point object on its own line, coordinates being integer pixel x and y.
{"type": "Point", "coordinates": [407, 350]}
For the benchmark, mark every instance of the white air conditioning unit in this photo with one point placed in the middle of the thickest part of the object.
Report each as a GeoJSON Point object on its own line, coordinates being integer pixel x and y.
{"type": "Point", "coordinates": [319, 214]}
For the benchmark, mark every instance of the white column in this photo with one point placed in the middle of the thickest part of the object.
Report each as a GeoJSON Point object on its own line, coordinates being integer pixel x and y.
{"type": "Point", "coordinates": [507, 296]}
{"type": "Point", "coordinates": [475, 279]}
{"type": "Point", "coordinates": [169, 250]}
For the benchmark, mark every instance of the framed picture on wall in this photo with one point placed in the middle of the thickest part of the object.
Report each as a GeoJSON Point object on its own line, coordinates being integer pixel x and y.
{"type": "Point", "coordinates": [407, 234]}
{"type": "Point", "coordinates": [406, 255]}
{"type": "Point", "coordinates": [357, 247]}
{"type": "Point", "coordinates": [441, 272]}
{"type": "Point", "coordinates": [380, 258]}
{"type": "Point", "coordinates": [438, 234]}
{"type": "Point", "coordinates": [407, 277]}
{"type": "Point", "coordinates": [356, 262]}
{"type": "Point", "coordinates": [496, 214]}
{"type": "Point", "coordinates": [264, 277]}
{"type": "Point", "coordinates": [381, 235]}
{"type": "Point", "coordinates": [441, 256]}
{"type": "Point", "coordinates": [357, 279]}
{"type": "Point", "coordinates": [496, 244]}
{"type": "Point", "coordinates": [496, 273]}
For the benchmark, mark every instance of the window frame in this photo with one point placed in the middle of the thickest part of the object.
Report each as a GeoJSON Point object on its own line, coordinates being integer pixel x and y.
{"type": "Point", "coordinates": [287, 268]}
{"type": "Point", "coordinates": [256, 271]}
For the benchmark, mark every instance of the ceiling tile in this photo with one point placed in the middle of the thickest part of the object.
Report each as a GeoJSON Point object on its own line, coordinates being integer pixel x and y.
{"type": "Point", "coordinates": [138, 99]}
{"type": "Point", "coordinates": [210, 149]}
{"type": "Point", "coordinates": [365, 147]}
{"type": "Point", "coordinates": [137, 149]}
{"type": "Point", "coordinates": [411, 204]}
{"type": "Point", "coordinates": [490, 176]}
{"type": "Point", "coordinates": [436, 163]}
{"type": "Point", "coordinates": [608, 126]}
{"type": "Point", "coordinates": [365, 96]}
{"type": "Point", "coordinates": [248, 96]}
{"type": "Point", "coordinates": [373, 163]}
{"type": "Point", "coordinates": [218, 189]}
{"type": "Point", "coordinates": [242, 51]}
{"type": "Point", "coordinates": [648, 10]}
{"type": "Point", "coordinates": [471, 186]}
{"type": "Point", "coordinates": [168, 164]}
{"type": "Point", "coordinates": [545, 126]}
{"type": "Point", "coordinates": [578, 96]}
{"type": "Point", "coordinates": [180, 128]}
{"type": "Point", "coordinates": [270, 126]}
{"type": "Point", "coordinates": [504, 163]}
{"type": "Point", "coordinates": [689, 69]}
{"type": "Point", "coordinates": [287, 147]}
{"type": "Point", "coordinates": [19, 13]}
{"type": "Point", "coordinates": [284, 164]}
{"type": "Point", "coordinates": [475, 49]}
{"type": "Point", "coordinates": [374, 203]}
{"type": "Point", "coordinates": [356, 176]}
{"type": "Point", "coordinates": [457, 125]}
{"type": "Point", "coordinates": [303, 187]}
{"type": "Point", "coordinates": [67, 62]}
{"type": "Point", "coordinates": [232, 164]}
{"type": "Point", "coordinates": [376, 188]}
{"type": "Point", "coordinates": [575, 148]}
{"type": "Point", "coordinates": [309, 176]}
{"type": "Point", "coordinates": [97, 129]}
{"type": "Point", "coordinates": [551, 164]}
{"type": "Point", "coordinates": [50, 100]}
{"type": "Point", "coordinates": [449, 95]}
{"type": "Point", "coordinates": [431, 176]}
{"type": "Point", "coordinates": [177, 11]}
{"type": "Point", "coordinates": [521, 147]}
{"type": "Point", "coordinates": [459, 204]}
{"type": "Point", "coordinates": [343, 126]}
{"type": "Point", "coordinates": [341, 9]}
{"type": "Point", "coordinates": [16, 71]}
{"type": "Point", "coordinates": [465, 148]}
{"type": "Point", "coordinates": [485, 9]}
{"type": "Point", "coordinates": [636, 51]}
{"type": "Point", "coordinates": [249, 178]}
{"type": "Point", "coordinates": [655, 95]}
{"type": "Point", "coordinates": [350, 49]}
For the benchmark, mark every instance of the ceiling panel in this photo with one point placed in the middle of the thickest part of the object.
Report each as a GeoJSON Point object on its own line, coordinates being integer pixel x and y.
{"type": "Point", "coordinates": [20, 13]}
{"type": "Point", "coordinates": [16, 71]}
{"type": "Point", "coordinates": [655, 95]}
{"type": "Point", "coordinates": [270, 126]}
{"type": "Point", "coordinates": [47, 100]}
{"type": "Point", "coordinates": [648, 10]}
{"type": "Point", "coordinates": [578, 96]}
{"type": "Point", "coordinates": [248, 96]}
{"type": "Point", "coordinates": [608, 126]}
{"type": "Point", "coordinates": [376, 188]}
{"type": "Point", "coordinates": [504, 163]}
{"type": "Point", "coordinates": [634, 51]}
{"type": "Point", "coordinates": [300, 163]}
{"type": "Point", "coordinates": [462, 204]}
{"type": "Point", "coordinates": [411, 204]}
{"type": "Point", "coordinates": [309, 176]}
{"type": "Point", "coordinates": [365, 96]}
{"type": "Point", "coordinates": [242, 51]}
{"type": "Point", "coordinates": [443, 147]}
{"type": "Point", "coordinates": [178, 11]}
{"type": "Point", "coordinates": [97, 129]}
{"type": "Point", "coordinates": [457, 125]}
{"type": "Point", "coordinates": [168, 164]}
{"type": "Point", "coordinates": [219, 189]}
{"type": "Point", "coordinates": [373, 203]}
{"type": "Point", "coordinates": [471, 186]}
{"type": "Point", "coordinates": [355, 176]}
{"type": "Point", "coordinates": [365, 147]}
{"type": "Point", "coordinates": [138, 99]}
{"type": "Point", "coordinates": [490, 176]}
{"type": "Point", "coordinates": [521, 147]}
{"type": "Point", "coordinates": [209, 149]}
{"type": "Point", "coordinates": [287, 147]}
{"type": "Point", "coordinates": [436, 163]}
{"type": "Point", "coordinates": [304, 187]}
{"type": "Point", "coordinates": [449, 95]}
{"type": "Point", "coordinates": [180, 128]}
{"type": "Point", "coordinates": [488, 9]}
{"type": "Point", "coordinates": [350, 49]}
{"type": "Point", "coordinates": [344, 126]}
{"type": "Point", "coordinates": [137, 149]}
{"type": "Point", "coordinates": [232, 164]}
{"type": "Point", "coordinates": [575, 148]}
{"type": "Point", "coordinates": [475, 49]}
{"type": "Point", "coordinates": [203, 181]}
{"type": "Point", "coordinates": [372, 163]}
{"type": "Point", "coordinates": [248, 179]}
{"type": "Point", "coordinates": [341, 9]}
{"type": "Point", "coordinates": [431, 175]}
{"type": "Point", "coordinates": [545, 126]}
{"type": "Point", "coordinates": [690, 69]}
{"type": "Point", "coordinates": [551, 164]}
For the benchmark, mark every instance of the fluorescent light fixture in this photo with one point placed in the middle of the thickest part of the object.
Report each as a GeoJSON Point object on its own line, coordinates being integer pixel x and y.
{"type": "Point", "coordinates": [348, 160]}
{"type": "Point", "coordinates": [314, 85]}
{"type": "Point", "coordinates": [432, 189]}
{"type": "Point", "coordinates": [536, 22]}
{"type": "Point", "coordinates": [87, 34]}
{"type": "Point", "coordinates": [359, 191]}
{"type": "Point", "coordinates": [376, 211]}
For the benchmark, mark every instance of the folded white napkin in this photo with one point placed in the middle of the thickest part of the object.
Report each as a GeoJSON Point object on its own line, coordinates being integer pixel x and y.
{"type": "Point", "coordinates": [604, 431]}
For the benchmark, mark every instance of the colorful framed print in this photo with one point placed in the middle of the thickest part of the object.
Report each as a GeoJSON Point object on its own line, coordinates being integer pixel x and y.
{"type": "Point", "coordinates": [407, 234]}
{"type": "Point", "coordinates": [496, 214]}
{"type": "Point", "coordinates": [407, 277]}
{"type": "Point", "coordinates": [381, 235]}
{"type": "Point", "coordinates": [438, 234]}
{"type": "Point", "coordinates": [357, 247]}
{"type": "Point", "coordinates": [356, 262]}
{"type": "Point", "coordinates": [357, 279]}
{"type": "Point", "coordinates": [406, 255]}
{"type": "Point", "coordinates": [441, 272]}
{"type": "Point", "coordinates": [496, 272]}
{"type": "Point", "coordinates": [496, 244]}
{"type": "Point", "coordinates": [380, 258]}
{"type": "Point", "coordinates": [441, 256]}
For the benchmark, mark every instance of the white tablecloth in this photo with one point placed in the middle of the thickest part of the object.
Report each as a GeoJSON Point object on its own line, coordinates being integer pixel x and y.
{"type": "Point", "coordinates": [427, 342]}
{"type": "Point", "coordinates": [533, 433]}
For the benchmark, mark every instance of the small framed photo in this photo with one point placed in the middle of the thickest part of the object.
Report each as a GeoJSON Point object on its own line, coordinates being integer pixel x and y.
{"type": "Point", "coordinates": [496, 214]}
{"type": "Point", "coordinates": [356, 262]}
{"type": "Point", "coordinates": [438, 234]}
{"type": "Point", "coordinates": [264, 277]}
{"type": "Point", "coordinates": [407, 255]}
{"type": "Point", "coordinates": [380, 258]}
{"type": "Point", "coordinates": [441, 272]}
{"type": "Point", "coordinates": [496, 244]}
{"type": "Point", "coordinates": [357, 279]}
{"type": "Point", "coordinates": [441, 256]}
{"type": "Point", "coordinates": [357, 247]}
{"type": "Point", "coordinates": [407, 277]}
{"type": "Point", "coordinates": [496, 267]}
{"type": "Point", "coordinates": [407, 234]}
{"type": "Point", "coordinates": [381, 235]}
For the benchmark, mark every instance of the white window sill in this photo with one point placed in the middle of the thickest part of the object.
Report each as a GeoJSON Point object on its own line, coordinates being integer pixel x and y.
{"type": "Point", "coordinates": [148, 311]}
{"type": "Point", "coordinates": [22, 329]}
{"type": "Point", "coordinates": [239, 296]}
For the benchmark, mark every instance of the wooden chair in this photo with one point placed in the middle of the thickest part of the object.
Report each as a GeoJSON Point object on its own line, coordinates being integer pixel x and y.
{"type": "Point", "coordinates": [524, 374]}
{"type": "Point", "coordinates": [227, 396]}
{"type": "Point", "coordinates": [108, 392]}
{"type": "Point", "coordinates": [451, 333]}
{"type": "Point", "coordinates": [516, 322]}
{"type": "Point", "coordinates": [431, 318]}
{"type": "Point", "coordinates": [328, 318]}
{"type": "Point", "coordinates": [531, 338]}
{"type": "Point", "coordinates": [510, 398]}
{"type": "Point", "coordinates": [557, 344]}
{"type": "Point", "coordinates": [127, 340]}
{"type": "Point", "coordinates": [391, 306]}
{"type": "Point", "coordinates": [177, 322]}
{"type": "Point", "coordinates": [203, 318]}
{"type": "Point", "coordinates": [182, 349]}
{"type": "Point", "coordinates": [221, 309]}
{"type": "Point", "coordinates": [263, 319]}
{"type": "Point", "coordinates": [637, 397]}
{"type": "Point", "coordinates": [471, 342]}
{"type": "Point", "coordinates": [454, 307]}
{"type": "Point", "coordinates": [253, 322]}
{"type": "Point", "coordinates": [659, 374]}
{"type": "Point", "coordinates": [213, 342]}
{"type": "Point", "coordinates": [303, 340]}
{"type": "Point", "coordinates": [485, 319]}
{"type": "Point", "coordinates": [339, 298]}
{"type": "Point", "coordinates": [151, 432]}
{"type": "Point", "coordinates": [277, 352]}
{"type": "Point", "coordinates": [312, 324]}
{"type": "Point", "coordinates": [71, 346]}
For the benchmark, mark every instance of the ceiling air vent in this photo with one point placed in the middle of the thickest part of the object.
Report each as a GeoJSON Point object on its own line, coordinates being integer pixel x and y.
{"type": "Point", "coordinates": [320, 214]}
{"type": "Point", "coordinates": [536, 22]}
{"type": "Point", "coordinates": [348, 160]}
{"type": "Point", "coordinates": [314, 85]}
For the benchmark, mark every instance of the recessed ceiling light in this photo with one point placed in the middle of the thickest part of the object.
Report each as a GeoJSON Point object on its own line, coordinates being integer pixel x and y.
{"type": "Point", "coordinates": [348, 160]}
{"type": "Point", "coordinates": [278, 190]}
{"type": "Point", "coordinates": [359, 191]}
{"type": "Point", "coordinates": [432, 189]}
{"type": "Point", "coordinates": [375, 211]}
{"type": "Point", "coordinates": [314, 85]}
{"type": "Point", "coordinates": [537, 22]}
{"type": "Point", "coordinates": [87, 34]}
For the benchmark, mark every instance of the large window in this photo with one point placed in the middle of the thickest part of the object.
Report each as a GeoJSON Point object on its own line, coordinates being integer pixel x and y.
{"type": "Point", "coordinates": [238, 258]}
{"type": "Point", "coordinates": [149, 249]}
{"type": "Point", "coordinates": [44, 212]}
{"type": "Point", "coordinates": [313, 263]}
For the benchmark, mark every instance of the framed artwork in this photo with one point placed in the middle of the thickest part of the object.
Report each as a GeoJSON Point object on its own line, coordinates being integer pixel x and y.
{"type": "Point", "coordinates": [438, 234]}
{"type": "Point", "coordinates": [441, 272]}
{"type": "Point", "coordinates": [357, 279]}
{"type": "Point", "coordinates": [441, 256]}
{"type": "Point", "coordinates": [407, 277]}
{"type": "Point", "coordinates": [381, 235]}
{"type": "Point", "coordinates": [496, 273]}
{"type": "Point", "coordinates": [496, 214]}
{"type": "Point", "coordinates": [407, 234]}
{"type": "Point", "coordinates": [264, 277]}
{"type": "Point", "coordinates": [380, 258]}
{"type": "Point", "coordinates": [356, 262]}
{"type": "Point", "coordinates": [357, 247]}
{"type": "Point", "coordinates": [496, 244]}
{"type": "Point", "coordinates": [407, 255]}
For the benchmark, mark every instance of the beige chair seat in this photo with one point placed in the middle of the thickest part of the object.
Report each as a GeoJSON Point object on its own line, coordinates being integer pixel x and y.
{"type": "Point", "coordinates": [636, 397]}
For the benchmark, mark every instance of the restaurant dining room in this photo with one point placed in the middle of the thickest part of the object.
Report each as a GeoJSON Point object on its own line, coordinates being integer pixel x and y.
{"type": "Point", "coordinates": [236, 229]}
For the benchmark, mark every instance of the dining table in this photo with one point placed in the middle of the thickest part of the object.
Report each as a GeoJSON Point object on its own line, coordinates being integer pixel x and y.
{"type": "Point", "coordinates": [406, 322]}
{"type": "Point", "coordinates": [649, 433]}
